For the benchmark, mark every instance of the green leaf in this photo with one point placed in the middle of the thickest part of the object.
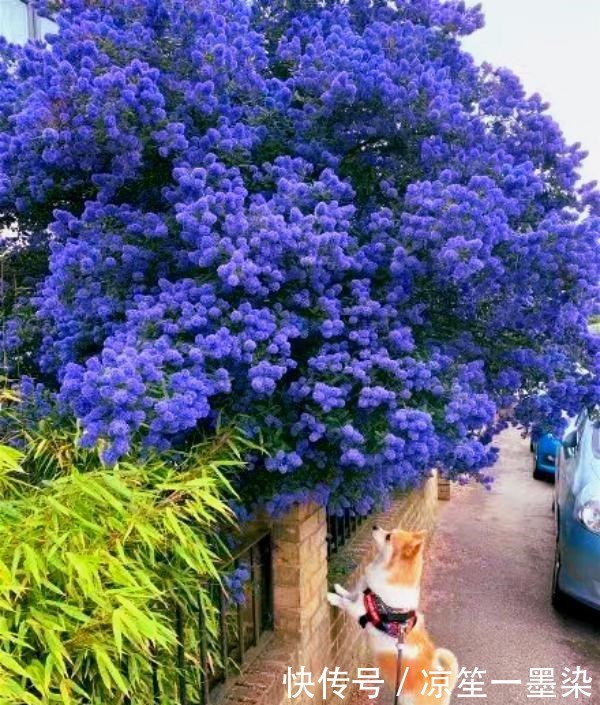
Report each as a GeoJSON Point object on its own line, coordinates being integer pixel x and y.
{"type": "Point", "coordinates": [109, 672]}
{"type": "Point", "coordinates": [57, 650]}
{"type": "Point", "coordinates": [65, 688]}
{"type": "Point", "coordinates": [118, 630]}
{"type": "Point", "coordinates": [11, 664]}
{"type": "Point", "coordinates": [10, 458]}
{"type": "Point", "coordinates": [70, 610]}
{"type": "Point", "coordinates": [33, 563]}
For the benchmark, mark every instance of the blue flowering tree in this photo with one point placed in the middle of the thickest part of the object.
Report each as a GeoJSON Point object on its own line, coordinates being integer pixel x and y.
{"type": "Point", "coordinates": [322, 220]}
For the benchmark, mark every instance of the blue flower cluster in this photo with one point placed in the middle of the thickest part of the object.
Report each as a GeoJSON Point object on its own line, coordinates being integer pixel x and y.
{"type": "Point", "coordinates": [235, 584]}
{"type": "Point", "coordinates": [321, 220]}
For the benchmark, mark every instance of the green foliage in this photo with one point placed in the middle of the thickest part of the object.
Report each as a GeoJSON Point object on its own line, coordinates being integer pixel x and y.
{"type": "Point", "coordinates": [94, 561]}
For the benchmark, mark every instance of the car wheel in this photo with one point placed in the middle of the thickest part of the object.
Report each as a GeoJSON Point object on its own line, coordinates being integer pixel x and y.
{"type": "Point", "coordinates": [560, 600]}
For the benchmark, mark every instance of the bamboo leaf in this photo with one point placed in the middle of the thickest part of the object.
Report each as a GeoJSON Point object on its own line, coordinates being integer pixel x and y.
{"type": "Point", "coordinates": [32, 563]}
{"type": "Point", "coordinates": [71, 610]}
{"type": "Point", "coordinates": [11, 664]}
{"type": "Point", "coordinates": [65, 688]}
{"type": "Point", "coordinates": [118, 631]}
{"type": "Point", "coordinates": [109, 671]}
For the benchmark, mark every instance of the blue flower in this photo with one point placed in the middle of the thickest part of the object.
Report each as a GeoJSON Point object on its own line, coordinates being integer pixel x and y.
{"type": "Point", "coordinates": [291, 217]}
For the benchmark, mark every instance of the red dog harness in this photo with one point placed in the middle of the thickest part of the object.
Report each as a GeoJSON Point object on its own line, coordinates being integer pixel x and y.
{"type": "Point", "coordinates": [387, 619]}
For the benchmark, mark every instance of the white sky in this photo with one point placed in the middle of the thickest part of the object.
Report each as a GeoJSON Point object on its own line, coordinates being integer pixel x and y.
{"type": "Point", "coordinates": [554, 47]}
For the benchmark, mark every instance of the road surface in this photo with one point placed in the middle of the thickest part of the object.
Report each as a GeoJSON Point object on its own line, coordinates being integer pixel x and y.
{"type": "Point", "coordinates": [486, 588]}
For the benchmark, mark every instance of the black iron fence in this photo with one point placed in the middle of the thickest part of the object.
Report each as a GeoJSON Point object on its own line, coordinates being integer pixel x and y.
{"type": "Point", "coordinates": [340, 528]}
{"type": "Point", "coordinates": [216, 642]}
{"type": "Point", "coordinates": [241, 627]}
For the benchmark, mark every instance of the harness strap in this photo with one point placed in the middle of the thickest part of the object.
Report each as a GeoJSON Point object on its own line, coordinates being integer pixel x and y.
{"type": "Point", "coordinates": [399, 646]}
{"type": "Point", "coordinates": [394, 623]}
{"type": "Point", "coordinates": [384, 618]}
{"type": "Point", "coordinates": [371, 607]}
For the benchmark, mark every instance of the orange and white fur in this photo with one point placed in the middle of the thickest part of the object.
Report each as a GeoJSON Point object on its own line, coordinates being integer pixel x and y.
{"type": "Point", "coordinates": [395, 575]}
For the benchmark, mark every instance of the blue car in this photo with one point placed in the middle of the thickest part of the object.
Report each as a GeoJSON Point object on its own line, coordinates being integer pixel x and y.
{"type": "Point", "coordinates": [577, 511]}
{"type": "Point", "coordinates": [545, 454]}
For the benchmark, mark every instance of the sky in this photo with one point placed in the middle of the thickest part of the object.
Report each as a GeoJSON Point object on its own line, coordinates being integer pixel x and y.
{"type": "Point", "coordinates": [554, 47]}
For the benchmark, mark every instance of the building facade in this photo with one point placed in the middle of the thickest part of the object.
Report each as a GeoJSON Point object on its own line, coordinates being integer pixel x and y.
{"type": "Point", "coordinates": [19, 22]}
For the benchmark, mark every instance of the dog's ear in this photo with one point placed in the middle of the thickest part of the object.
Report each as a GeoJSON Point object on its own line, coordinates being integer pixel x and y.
{"type": "Point", "coordinates": [413, 545]}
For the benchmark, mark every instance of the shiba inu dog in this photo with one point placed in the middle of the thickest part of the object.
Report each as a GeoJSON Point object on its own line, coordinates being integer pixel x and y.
{"type": "Point", "coordinates": [386, 600]}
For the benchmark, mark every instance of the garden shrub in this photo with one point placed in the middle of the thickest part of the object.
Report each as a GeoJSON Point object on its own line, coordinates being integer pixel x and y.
{"type": "Point", "coordinates": [323, 217]}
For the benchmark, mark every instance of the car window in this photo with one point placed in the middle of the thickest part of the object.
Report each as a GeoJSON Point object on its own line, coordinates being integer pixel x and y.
{"type": "Point", "coordinates": [580, 424]}
{"type": "Point", "coordinates": [596, 440]}
{"type": "Point", "coordinates": [14, 21]}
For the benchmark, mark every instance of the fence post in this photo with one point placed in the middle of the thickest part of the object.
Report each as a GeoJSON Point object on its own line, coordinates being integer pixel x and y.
{"type": "Point", "coordinates": [300, 604]}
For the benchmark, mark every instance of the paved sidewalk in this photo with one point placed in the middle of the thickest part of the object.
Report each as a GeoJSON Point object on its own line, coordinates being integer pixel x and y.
{"type": "Point", "coordinates": [486, 589]}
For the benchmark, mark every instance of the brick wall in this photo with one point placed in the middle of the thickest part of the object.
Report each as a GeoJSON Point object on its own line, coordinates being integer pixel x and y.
{"type": "Point", "coordinates": [308, 632]}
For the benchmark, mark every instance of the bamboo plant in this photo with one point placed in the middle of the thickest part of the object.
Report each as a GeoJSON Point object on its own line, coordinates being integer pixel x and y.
{"type": "Point", "coordinates": [94, 561]}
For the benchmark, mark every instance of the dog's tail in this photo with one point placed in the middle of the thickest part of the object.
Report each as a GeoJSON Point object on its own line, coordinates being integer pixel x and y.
{"type": "Point", "coordinates": [446, 661]}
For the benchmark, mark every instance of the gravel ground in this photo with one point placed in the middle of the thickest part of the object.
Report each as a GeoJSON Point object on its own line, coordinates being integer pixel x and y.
{"type": "Point", "coordinates": [486, 588]}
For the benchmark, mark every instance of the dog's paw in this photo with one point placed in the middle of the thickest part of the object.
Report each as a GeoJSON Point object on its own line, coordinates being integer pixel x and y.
{"type": "Point", "coordinates": [334, 599]}
{"type": "Point", "coordinates": [341, 591]}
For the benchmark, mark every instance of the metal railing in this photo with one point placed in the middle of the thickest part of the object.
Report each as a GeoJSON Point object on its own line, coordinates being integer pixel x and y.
{"type": "Point", "coordinates": [340, 528]}
{"type": "Point", "coordinates": [239, 628]}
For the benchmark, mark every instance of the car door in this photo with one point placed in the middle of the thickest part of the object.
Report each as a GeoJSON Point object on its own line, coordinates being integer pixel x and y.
{"type": "Point", "coordinates": [568, 468]}
{"type": "Point", "coordinates": [587, 468]}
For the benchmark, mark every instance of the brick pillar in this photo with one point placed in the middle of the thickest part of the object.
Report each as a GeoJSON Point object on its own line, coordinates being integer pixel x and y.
{"type": "Point", "coordinates": [301, 610]}
{"type": "Point", "coordinates": [443, 485]}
